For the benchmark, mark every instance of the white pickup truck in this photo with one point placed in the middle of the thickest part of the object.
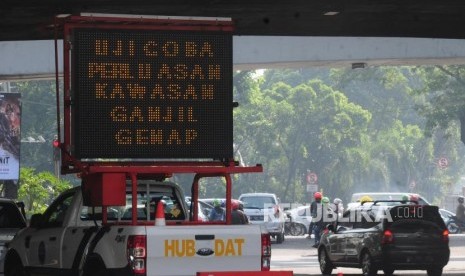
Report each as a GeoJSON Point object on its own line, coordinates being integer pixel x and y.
{"type": "Point", "coordinates": [72, 239]}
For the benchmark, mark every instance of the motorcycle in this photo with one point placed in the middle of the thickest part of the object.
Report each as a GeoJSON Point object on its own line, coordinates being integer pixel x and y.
{"type": "Point", "coordinates": [293, 228]}
{"type": "Point", "coordinates": [454, 226]}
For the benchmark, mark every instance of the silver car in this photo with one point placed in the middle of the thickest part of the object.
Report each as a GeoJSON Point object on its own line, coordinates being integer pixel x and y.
{"type": "Point", "coordinates": [263, 208]}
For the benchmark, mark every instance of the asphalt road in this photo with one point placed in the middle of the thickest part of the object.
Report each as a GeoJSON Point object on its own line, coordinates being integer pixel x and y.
{"type": "Point", "coordinates": [296, 254]}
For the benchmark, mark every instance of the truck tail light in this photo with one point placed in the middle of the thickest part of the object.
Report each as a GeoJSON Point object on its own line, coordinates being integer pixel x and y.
{"type": "Point", "coordinates": [388, 238]}
{"type": "Point", "coordinates": [137, 253]}
{"type": "Point", "coordinates": [266, 251]}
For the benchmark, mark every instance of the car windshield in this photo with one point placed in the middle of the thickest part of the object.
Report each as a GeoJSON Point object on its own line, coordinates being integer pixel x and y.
{"type": "Point", "coordinates": [258, 202]}
{"type": "Point", "coordinates": [146, 204]}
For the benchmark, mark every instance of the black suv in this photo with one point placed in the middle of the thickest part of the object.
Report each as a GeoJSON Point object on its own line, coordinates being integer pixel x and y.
{"type": "Point", "coordinates": [380, 236]}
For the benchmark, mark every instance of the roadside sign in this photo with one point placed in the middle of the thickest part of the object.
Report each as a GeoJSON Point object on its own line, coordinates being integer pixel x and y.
{"type": "Point", "coordinates": [443, 163]}
{"type": "Point", "coordinates": [412, 184]}
{"type": "Point", "coordinates": [312, 178]}
{"type": "Point", "coordinates": [148, 89]}
{"type": "Point", "coordinates": [311, 188]}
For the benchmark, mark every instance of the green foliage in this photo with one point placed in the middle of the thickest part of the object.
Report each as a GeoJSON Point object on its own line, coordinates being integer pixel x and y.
{"type": "Point", "coordinates": [37, 190]}
{"type": "Point", "coordinates": [291, 128]}
{"type": "Point", "coordinates": [376, 129]}
{"type": "Point", "coordinates": [441, 99]}
{"type": "Point", "coordinates": [38, 118]}
{"type": "Point", "coordinates": [357, 129]}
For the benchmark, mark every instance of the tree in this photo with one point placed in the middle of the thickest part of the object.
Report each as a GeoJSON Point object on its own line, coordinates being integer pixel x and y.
{"type": "Point", "coordinates": [398, 151]}
{"type": "Point", "coordinates": [291, 127]}
{"type": "Point", "coordinates": [38, 118]}
{"type": "Point", "coordinates": [37, 190]}
{"type": "Point", "coordinates": [357, 129]}
{"type": "Point", "coordinates": [441, 100]}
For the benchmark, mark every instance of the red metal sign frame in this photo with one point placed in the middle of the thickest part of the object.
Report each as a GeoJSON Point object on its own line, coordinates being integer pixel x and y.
{"type": "Point", "coordinates": [69, 164]}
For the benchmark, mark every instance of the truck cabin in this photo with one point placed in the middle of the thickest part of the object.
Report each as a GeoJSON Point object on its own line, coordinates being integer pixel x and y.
{"type": "Point", "coordinates": [131, 198]}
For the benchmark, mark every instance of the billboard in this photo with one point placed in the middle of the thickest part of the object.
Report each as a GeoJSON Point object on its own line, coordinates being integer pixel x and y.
{"type": "Point", "coordinates": [150, 94]}
{"type": "Point", "coordinates": [10, 133]}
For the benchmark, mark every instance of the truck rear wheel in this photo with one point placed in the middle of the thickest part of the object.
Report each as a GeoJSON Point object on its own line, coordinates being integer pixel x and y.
{"type": "Point", "coordinates": [95, 272]}
{"type": "Point", "coordinates": [14, 266]}
{"type": "Point", "coordinates": [17, 270]}
{"type": "Point", "coordinates": [434, 271]}
{"type": "Point", "coordinates": [95, 267]}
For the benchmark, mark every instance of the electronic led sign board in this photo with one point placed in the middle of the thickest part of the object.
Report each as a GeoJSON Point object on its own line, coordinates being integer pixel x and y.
{"type": "Point", "coordinates": [149, 94]}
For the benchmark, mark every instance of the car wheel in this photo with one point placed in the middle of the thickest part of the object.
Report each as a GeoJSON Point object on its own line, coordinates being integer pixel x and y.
{"type": "Point", "coordinates": [388, 271]}
{"type": "Point", "coordinates": [368, 268]}
{"type": "Point", "coordinates": [453, 228]}
{"type": "Point", "coordinates": [95, 268]}
{"type": "Point", "coordinates": [326, 266]}
{"type": "Point", "coordinates": [303, 230]}
{"type": "Point", "coordinates": [294, 229]}
{"type": "Point", "coordinates": [435, 271]}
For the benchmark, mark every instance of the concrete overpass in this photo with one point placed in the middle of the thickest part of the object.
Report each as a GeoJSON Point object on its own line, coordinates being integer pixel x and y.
{"type": "Point", "coordinates": [36, 59]}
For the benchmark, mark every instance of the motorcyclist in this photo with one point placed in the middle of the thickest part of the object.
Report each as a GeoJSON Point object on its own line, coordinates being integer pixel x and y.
{"type": "Point", "coordinates": [339, 206]}
{"type": "Point", "coordinates": [237, 215]}
{"type": "Point", "coordinates": [460, 211]}
{"type": "Point", "coordinates": [325, 200]}
{"type": "Point", "coordinates": [315, 212]}
{"type": "Point", "coordinates": [217, 213]}
{"type": "Point", "coordinates": [364, 199]}
{"type": "Point", "coordinates": [329, 214]}
{"type": "Point", "coordinates": [414, 198]}
{"type": "Point", "coordinates": [405, 198]}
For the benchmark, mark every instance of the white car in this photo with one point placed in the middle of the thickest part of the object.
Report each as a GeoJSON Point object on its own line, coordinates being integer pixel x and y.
{"type": "Point", "coordinates": [301, 215]}
{"type": "Point", "coordinates": [204, 209]}
{"type": "Point", "coordinates": [263, 208]}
